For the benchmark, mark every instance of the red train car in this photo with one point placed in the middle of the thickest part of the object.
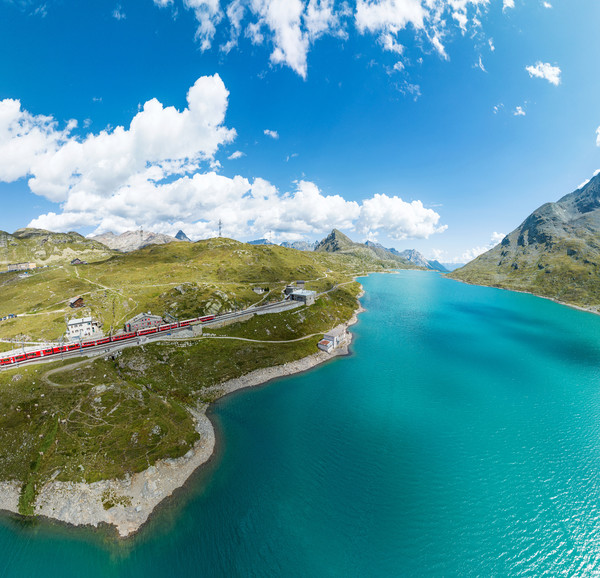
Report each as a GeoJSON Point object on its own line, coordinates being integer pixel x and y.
{"type": "Point", "coordinates": [147, 331]}
{"type": "Point", "coordinates": [122, 336]}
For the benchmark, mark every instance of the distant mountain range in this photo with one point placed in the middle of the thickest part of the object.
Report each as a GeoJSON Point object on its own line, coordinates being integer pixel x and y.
{"type": "Point", "coordinates": [44, 247]}
{"type": "Point", "coordinates": [412, 256]}
{"type": "Point", "coordinates": [260, 242]}
{"type": "Point", "coordinates": [452, 266]}
{"type": "Point", "coordinates": [337, 242]}
{"type": "Point", "coordinates": [555, 252]}
{"type": "Point", "coordinates": [300, 245]}
{"type": "Point", "coordinates": [133, 240]}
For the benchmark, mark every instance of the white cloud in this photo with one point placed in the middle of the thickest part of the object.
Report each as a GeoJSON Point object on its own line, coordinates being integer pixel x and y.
{"type": "Point", "coordinates": [480, 65]}
{"type": "Point", "coordinates": [583, 184]}
{"type": "Point", "coordinates": [474, 252]}
{"type": "Point", "coordinates": [397, 218]}
{"type": "Point", "coordinates": [236, 155]}
{"type": "Point", "coordinates": [588, 180]}
{"type": "Point", "coordinates": [235, 14]}
{"type": "Point", "coordinates": [519, 111]}
{"type": "Point", "coordinates": [546, 5]}
{"type": "Point", "coordinates": [496, 238]}
{"type": "Point", "coordinates": [598, 137]}
{"type": "Point", "coordinates": [321, 18]}
{"type": "Point", "coordinates": [25, 139]}
{"type": "Point", "coordinates": [498, 107]}
{"type": "Point", "coordinates": [389, 16]}
{"type": "Point", "coordinates": [247, 209]}
{"type": "Point", "coordinates": [491, 44]}
{"type": "Point", "coordinates": [118, 13]}
{"type": "Point", "coordinates": [153, 175]}
{"type": "Point", "coordinates": [271, 133]}
{"type": "Point", "coordinates": [546, 71]}
{"type": "Point", "coordinates": [208, 14]}
{"type": "Point", "coordinates": [284, 19]}
{"type": "Point", "coordinates": [160, 141]}
{"type": "Point", "coordinates": [293, 26]}
{"type": "Point", "coordinates": [507, 4]}
{"type": "Point", "coordinates": [389, 43]}
{"type": "Point", "coordinates": [429, 19]}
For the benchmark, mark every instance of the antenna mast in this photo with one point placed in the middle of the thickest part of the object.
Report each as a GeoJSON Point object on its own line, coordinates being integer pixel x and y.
{"type": "Point", "coordinates": [220, 227]}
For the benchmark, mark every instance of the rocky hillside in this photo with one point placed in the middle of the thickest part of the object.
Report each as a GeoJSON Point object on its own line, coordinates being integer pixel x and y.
{"type": "Point", "coordinates": [47, 248]}
{"type": "Point", "coordinates": [554, 253]}
{"type": "Point", "coordinates": [337, 242]}
{"type": "Point", "coordinates": [133, 240]}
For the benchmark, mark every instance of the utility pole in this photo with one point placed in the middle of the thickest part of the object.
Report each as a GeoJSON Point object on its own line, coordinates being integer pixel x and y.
{"type": "Point", "coordinates": [220, 227]}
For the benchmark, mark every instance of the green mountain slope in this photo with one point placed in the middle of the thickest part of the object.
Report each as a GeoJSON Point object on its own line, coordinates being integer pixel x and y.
{"type": "Point", "coordinates": [554, 253]}
{"type": "Point", "coordinates": [48, 248]}
{"type": "Point", "coordinates": [180, 279]}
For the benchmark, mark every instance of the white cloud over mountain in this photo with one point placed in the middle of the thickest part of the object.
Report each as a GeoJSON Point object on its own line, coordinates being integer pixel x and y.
{"type": "Point", "coordinates": [291, 27]}
{"type": "Point", "coordinates": [471, 254]}
{"type": "Point", "coordinates": [161, 173]}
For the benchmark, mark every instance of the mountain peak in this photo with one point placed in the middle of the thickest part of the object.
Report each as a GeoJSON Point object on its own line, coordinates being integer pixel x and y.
{"type": "Point", "coordinates": [335, 241]}
{"type": "Point", "coordinates": [181, 236]}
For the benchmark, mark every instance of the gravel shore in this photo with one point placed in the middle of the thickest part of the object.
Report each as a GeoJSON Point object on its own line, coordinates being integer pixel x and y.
{"type": "Point", "coordinates": [128, 502]}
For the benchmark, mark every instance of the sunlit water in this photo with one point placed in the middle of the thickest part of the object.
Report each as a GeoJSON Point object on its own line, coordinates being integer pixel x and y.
{"type": "Point", "coordinates": [461, 438]}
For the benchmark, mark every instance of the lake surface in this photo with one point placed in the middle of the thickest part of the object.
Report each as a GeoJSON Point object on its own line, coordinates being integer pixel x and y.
{"type": "Point", "coordinates": [462, 437]}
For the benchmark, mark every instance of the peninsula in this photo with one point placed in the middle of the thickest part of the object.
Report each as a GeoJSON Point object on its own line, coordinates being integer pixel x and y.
{"type": "Point", "coordinates": [105, 439]}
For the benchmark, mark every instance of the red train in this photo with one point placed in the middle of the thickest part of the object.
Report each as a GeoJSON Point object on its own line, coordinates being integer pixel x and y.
{"type": "Point", "coordinates": [29, 355]}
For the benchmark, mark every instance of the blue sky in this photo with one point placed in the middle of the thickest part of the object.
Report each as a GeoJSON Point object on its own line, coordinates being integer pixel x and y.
{"type": "Point", "coordinates": [428, 124]}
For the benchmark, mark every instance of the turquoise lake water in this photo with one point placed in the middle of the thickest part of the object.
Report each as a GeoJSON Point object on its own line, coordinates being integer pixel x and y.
{"type": "Point", "coordinates": [461, 437]}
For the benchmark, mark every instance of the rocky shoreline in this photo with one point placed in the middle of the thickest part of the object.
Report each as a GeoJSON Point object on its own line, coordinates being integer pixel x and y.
{"type": "Point", "coordinates": [127, 503]}
{"type": "Point", "coordinates": [595, 309]}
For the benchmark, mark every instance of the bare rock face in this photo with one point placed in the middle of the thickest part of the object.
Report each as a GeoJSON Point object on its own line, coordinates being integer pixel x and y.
{"type": "Point", "coordinates": [133, 240]}
{"type": "Point", "coordinates": [554, 252]}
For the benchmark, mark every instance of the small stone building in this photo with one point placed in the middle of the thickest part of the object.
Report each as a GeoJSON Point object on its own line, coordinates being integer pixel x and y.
{"type": "Point", "coordinates": [304, 296]}
{"type": "Point", "coordinates": [143, 321]}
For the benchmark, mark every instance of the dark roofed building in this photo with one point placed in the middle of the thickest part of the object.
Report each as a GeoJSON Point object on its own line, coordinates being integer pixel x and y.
{"type": "Point", "coordinates": [76, 302]}
{"type": "Point", "coordinates": [143, 321]}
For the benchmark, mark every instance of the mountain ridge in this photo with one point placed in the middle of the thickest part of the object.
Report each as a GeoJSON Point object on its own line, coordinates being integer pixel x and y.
{"type": "Point", "coordinates": [554, 252]}
{"type": "Point", "coordinates": [133, 240]}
